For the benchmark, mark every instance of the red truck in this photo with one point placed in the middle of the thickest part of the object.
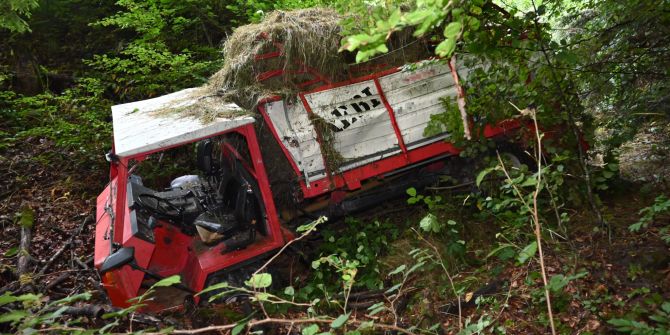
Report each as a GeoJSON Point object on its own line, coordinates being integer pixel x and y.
{"type": "Point", "coordinates": [238, 183]}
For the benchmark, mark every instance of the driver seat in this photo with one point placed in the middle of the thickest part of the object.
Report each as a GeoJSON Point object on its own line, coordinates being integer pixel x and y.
{"type": "Point", "coordinates": [216, 226]}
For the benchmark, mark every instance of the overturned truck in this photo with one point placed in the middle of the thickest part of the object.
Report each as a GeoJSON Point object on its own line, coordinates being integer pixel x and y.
{"type": "Point", "coordinates": [203, 199]}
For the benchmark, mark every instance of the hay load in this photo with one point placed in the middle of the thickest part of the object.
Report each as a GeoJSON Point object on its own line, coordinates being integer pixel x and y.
{"type": "Point", "coordinates": [309, 37]}
{"type": "Point", "coordinates": [286, 53]}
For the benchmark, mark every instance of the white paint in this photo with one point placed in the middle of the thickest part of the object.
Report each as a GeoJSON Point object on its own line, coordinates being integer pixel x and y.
{"type": "Point", "coordinates": [364, 134]}
{"type": "Point", "coordinates": [362, 126]}
{"type": "Point", "coordinates": [137, 128]}
{"type": "Point", "coordinates": [297, 134]}
{"type": "Point", "coordinates": [361, 123]}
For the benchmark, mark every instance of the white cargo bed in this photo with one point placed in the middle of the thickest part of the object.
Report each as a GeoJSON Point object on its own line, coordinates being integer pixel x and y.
{"type": "Point", "coordinates": [371, 119]}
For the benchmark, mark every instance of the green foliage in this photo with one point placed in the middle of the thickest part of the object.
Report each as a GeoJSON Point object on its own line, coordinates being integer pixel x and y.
{"type": "Point", "coordinates": [359, 245]}
{"type": "Point", "coordinates": [528, 252]}
{"type": "Point", "coordinates": [478, 327]}
{"type": "Point", "coordinates": [438, 19]}
{"type": "Point", "coordinates": [13, 14]}
{"type": "Point", "coordinates": [254, 11]}
{"type": "Point", "coordinates": [434, 222]}
{"type": "Point", "coordinates": [603, 178]}
{"type": "Point", "coordinates": [622, 70]}
{"type": "Point", "coordinates": [659, 322]}
{"type": "Point", "coordinates": [661, 205]}
{"type": "Point", "coordinates": [159, 59]}
{"type": "Point", "coordinates": [59, 118]}
{"type": "Point", "coordinates": [559, 281]}
{"type": "Point", "coordinates": [259, 280]}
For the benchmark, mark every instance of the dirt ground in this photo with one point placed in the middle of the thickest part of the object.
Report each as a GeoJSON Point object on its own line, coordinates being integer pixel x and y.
{"type": "Point", "coordinates": [619, 269]}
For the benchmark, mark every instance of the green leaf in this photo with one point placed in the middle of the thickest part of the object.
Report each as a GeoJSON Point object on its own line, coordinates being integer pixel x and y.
{"type": "Point", "coordinates": [289, 290]}
{"type": "Point", "coordinates": [168, 330]}
{"type": "Point", "coordinates": [11, 252]}
{"type": "Point", "coordinates": [557, 283]}
{"type": "Point", "coordinates": [169, 281]}
{"type": "Point", "coordinates": [446, 48]}
{"type": "Point", "coordinates": [397, 270]}
{"type": "Point", "coordinates": [452, 30]}
{"type": "Point", "coordinates": [415, 267]}
{"type": "Point", "coordinates": [353, 42]}
{"type": "Point", "coordinates": [262, 296]}
{"type": "Point", "coordinates": [376, 308]}
{"type": "Point", "coordinates": [259, 280]}
{"type": "Point", "coordinates": [239, 327]}
{"type": "Point", "coordinates": [393, 288]}
{"type": "Point", "coordinates": [73, 298]}
{"type": "Point", "coordinates": [411, 192]}
{"type": "Point", "coordinates": [310, 330]}
{"type": "Point", "coordinates": [475, 10]}
{"type": "Point", "coordinates": [7, 298]}
{"type": "Point", "coordinates": [382, 48]}
{"type": "Point", "coordinates": [311, 225]}
{"type": "Point", "coordinates": [26, 217]}
{"type": "Point", "coordinates": [366, 325]}
{"type": "Point", "coordinates": [13, 316]}
{"type": "Point", "coordinates": [482, 174]}
{"type": "Point", "coordinates": [530, 181]}
{"type": "Point", "coordinates": [527, 252]}
{"type": "Point", "coordinates": [417, 16]}
{"type": "Point", "coordinates": [498, 249]}
{"type": "Point", "coordinates": [337, 323]}
{"type": "Point", "coordinates": [213, 287]}
{"type": "Point", "coordinates": [430, 224]}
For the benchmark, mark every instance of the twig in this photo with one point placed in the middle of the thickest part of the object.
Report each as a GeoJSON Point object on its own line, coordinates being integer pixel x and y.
{"type": "Point", "coordinates": [66, 245]}
{"type": "Point", "coordinates": [534, 211]}
{"type": "Point", "coordinates": [255, 323]}
{"type": "Point", "coordinates": [451, 280]}
{"type": "Point", "coordinates": [60, 279]}
{"type": "Point", "coordinates": [536, 218]}
{"type": "Point", "coordinates": [573, 126]}
{"type": "Point", "coordinates": [439, 188]}
{"type": "Point", "coordinates": [304, 234]}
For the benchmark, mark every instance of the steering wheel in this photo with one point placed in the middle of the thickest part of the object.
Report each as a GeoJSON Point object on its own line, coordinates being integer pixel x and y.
{"type": "Point", "coordinates": [162, 210]}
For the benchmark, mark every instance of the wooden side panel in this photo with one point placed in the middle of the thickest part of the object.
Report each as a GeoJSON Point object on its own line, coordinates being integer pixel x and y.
{"type": "Point", "coordinates": [360, 122]}
{"type": "Point", "coordinates": [415, 96]}
{"type": "Point", "coordinates": [297, 135]}
{"type": "Point", "coordinates": [357, 118]}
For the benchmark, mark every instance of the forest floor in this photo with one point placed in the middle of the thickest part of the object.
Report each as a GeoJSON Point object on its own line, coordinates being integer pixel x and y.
{"type": "Point", "coordinates": [608, 272]}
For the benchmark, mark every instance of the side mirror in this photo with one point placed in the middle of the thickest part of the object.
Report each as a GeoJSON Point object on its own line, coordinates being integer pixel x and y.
{"type": "Point", "coordinates": [204, 156]}
{"type": "Point", "coordinates": [118, 259]}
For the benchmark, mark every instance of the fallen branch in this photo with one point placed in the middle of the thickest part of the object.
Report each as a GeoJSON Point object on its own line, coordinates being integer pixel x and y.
{"type": "Point", "coordinates": [60, 279]}
{"type": "Point", "coordinates": [24, 250]}
{"type": "Point", "coordinates": [95, 311]}
{"type": "Point", "coordinates": [66, 245]}
{"type": "Point", "coordinates": [291, 322]}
